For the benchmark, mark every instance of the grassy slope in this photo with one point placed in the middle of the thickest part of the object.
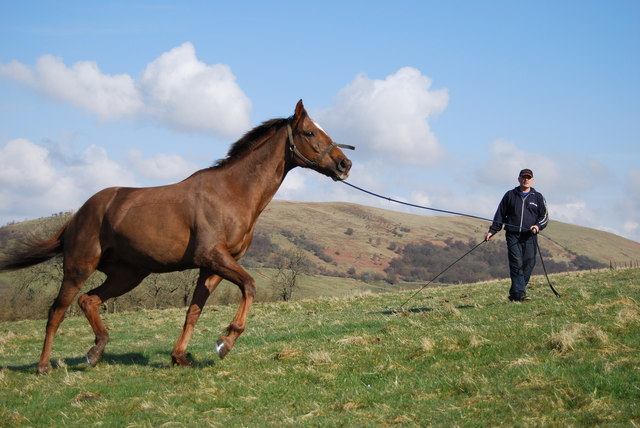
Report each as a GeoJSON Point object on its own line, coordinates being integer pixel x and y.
{"type": "Point", "coordinates": [460, 355]}
{"type": "Point", "coordinates": [361, 238]}
{"type": "Point", "coordinates": [375, 229]}
{"type": "Point", "coordinates": [595, 244]}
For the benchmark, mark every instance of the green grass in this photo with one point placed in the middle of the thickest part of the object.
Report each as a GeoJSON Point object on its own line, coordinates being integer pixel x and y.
{"type": "Point", "coordinates": [460, 355]}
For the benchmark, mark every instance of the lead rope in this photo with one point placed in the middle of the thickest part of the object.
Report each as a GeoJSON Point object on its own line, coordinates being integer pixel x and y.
{"type": "Point", "coordinates": [436, 277]}
{"type": "Point", "coordinates": [544, 268]}
{"type": "Point", "coordinates": [454, 213]}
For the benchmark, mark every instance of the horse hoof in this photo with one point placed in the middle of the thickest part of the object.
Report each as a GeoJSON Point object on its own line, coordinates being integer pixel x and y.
{"type": "Point", "coordinates": [180, 361]}
{"type": "Point", "coordinates": [43, 370]}
{"type": "Point", "coordinates": [94, 356]}
{"type": "Point", "coordinates": [221, 348]}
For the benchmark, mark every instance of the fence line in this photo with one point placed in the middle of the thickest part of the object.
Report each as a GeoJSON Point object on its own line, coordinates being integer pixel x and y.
{"type": "Point", "coordinates": [627, 264]}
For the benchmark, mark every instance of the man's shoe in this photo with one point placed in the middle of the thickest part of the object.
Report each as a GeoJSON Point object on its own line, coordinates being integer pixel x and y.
{"type": "Point", "coordinates": [525, 298]}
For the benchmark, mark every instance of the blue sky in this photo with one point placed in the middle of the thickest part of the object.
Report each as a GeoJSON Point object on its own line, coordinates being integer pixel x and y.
{"type": "Point", "coordinates": [445, 101]}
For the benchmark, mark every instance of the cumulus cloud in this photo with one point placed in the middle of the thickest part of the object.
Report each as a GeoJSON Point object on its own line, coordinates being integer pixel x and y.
{"type": "Point", "coordinates": [294, 186]}
{"type": "Point", "coordinates": [37, 181]}
{"type": "Point", "coordinates": [25, 166]}
{"type": "Point", "coordinates": [188, 94]}
{"type": "Point", "coordinates": [633, 177]}
{"type": "Point", "coordinates": [176, 89]}
{"type": "Point", "coordinates": [161, 167]}
{"type": "Point", "coordinates": [564, 175]}
{"type": "Point", "coordinates": [82, 85]}
{"type": "Point", "coordinates": [572, 212]}
{"type": "Point", "coordinates": [389, 118]}
{"type": "Point", "coordinates": [96, 170]}
{"type": "Point", "coordinates": [628, 206]}
{"type": "Point", "coordinates": [33, 184]}
{"type": "Point", "coordinates": [506, 160]}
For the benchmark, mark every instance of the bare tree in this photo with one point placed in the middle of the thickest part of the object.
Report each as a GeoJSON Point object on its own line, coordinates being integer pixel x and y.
{"type": "Point", "coordinates": [185, 283]}
{"type": "Point", "coordinates": [289, 268]}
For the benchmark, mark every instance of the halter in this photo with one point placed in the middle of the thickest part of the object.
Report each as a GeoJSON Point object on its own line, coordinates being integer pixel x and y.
{"type": "Point", "coordinates": [316, 162]}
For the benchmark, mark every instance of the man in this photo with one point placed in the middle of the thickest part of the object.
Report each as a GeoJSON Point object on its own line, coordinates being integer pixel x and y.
{"type": "Point", "coordinates": [523, 212]}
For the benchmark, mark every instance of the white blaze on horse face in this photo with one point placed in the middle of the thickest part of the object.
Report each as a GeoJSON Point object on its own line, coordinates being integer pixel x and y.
{"type": "Point", "coordinates": [319, 127]}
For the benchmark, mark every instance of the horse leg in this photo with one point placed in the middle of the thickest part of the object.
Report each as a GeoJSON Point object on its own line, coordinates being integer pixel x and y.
{"type": "Point", "coordinates": [239, 322]}
{"type": "Point", "coordinates": [118, 282]}
{"type": "Point", "coordinates": [207, 283]}
{"type": "Point", "coordinates": [72, 282]}
{"type": "Point", "coordinates": [231, 270]}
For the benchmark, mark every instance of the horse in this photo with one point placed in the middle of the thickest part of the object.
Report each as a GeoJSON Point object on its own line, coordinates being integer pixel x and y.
{"type": "Point", "coordinates": [204, 222]}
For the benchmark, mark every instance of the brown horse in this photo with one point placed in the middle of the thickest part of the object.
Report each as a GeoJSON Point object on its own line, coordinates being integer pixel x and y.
{"type": "Point", "coordinates": [206, 222]}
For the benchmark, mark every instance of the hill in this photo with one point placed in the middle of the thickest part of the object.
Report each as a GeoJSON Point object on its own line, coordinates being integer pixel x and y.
{"type": "Point", "coordinates": [343, 248]}
{"type": "Point", "coordinates": [456, 356]}
{"type": "Point", "coordinates": [368, 238]}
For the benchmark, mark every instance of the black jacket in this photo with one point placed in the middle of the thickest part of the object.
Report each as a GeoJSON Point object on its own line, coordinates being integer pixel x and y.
{"type": "Point", "coordinates": [518, 213]}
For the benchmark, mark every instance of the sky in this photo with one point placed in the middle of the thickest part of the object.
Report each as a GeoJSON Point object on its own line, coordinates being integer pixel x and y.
{"type": "Point", "coordinates": [444, 101]}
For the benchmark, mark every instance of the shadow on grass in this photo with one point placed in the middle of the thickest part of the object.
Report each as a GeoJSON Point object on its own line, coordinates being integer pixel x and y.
{"type": "Point", "coordinates": [80, 364]}
{"type": "Point", "coordinates": [129, 359]}
{"type": "Point", "coordinates": [401, 311]}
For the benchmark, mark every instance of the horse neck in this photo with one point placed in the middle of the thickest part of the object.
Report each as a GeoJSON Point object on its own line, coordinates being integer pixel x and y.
{"type": "Point", "coordinates": [258, 174]}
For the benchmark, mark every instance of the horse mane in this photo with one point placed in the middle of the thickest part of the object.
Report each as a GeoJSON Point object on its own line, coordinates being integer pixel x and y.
{"type": "Point", "coordinates": [251, 140]}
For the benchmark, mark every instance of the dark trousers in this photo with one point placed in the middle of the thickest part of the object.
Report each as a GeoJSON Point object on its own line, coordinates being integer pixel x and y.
{"type": "Point", "coordinates": [521, 248]}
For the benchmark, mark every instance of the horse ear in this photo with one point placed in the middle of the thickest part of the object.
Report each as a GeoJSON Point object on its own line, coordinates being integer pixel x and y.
{"type": "Point", "coordinates": [300, 112]}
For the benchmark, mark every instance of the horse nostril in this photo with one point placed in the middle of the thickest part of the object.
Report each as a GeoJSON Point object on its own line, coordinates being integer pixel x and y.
{"type": "Point", "coordinates": [344, 165]}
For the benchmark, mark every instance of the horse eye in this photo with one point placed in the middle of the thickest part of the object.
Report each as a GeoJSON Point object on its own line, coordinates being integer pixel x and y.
{"type": "Point", "coordinates": [308, 133]}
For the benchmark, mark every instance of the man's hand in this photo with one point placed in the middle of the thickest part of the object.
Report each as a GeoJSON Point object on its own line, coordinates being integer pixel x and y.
{"type": "Point", "coordinates": [489, 236]}
{"type": "Point", "coordinates": [535, 229]}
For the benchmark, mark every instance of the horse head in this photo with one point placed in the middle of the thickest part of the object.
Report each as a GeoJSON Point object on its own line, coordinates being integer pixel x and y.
{"type": "Point", "coordinates": [313, 148]}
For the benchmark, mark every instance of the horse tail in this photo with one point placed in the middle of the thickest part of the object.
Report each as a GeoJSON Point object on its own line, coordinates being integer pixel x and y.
{"type": "Point", "coordinates": [32, 251]}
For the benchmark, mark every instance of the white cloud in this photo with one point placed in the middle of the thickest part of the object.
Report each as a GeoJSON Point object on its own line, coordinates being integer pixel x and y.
{"type": "Point", "coordinates": [389, 118]}
{"type": "Point", "coordinates": [17, 71]}
{"type": "Point", "coordinates": [161, 167]}
{"type": "Point", "coordinates": [293, 186]}
{"type": "Point", "coordinates": [627, 207]}
{"type": "Point", "coordinates": [576, 212]}
{"type": "Point", "coordinates": [559, 176]}
{"type": "Point", "coordinates": [33, 185]}
{"type": "Point", "coordinates": [188, 94]}
{"type": "Point", "coordinates": [82, 85]}
{"type": "Point", "coordinates": [176, 89]}
{"type": "Point", "coordinates": [633, 178]}
{"type": "Point", "coordinates": [25, 166]}
{"type": "Point", "coordinates": [506, 159]}
{"type": "Point", "coordinates": [632, 228]}
{"type": "Point", "coordinates": [96, 171]}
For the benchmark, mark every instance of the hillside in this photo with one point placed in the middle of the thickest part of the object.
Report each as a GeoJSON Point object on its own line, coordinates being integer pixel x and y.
{"type": "Point", "coordinates": [367, 238]}
{"type": "Point", "coordinates": [347, 248]}
{"type": "Point", "coordinates": [456, 356]}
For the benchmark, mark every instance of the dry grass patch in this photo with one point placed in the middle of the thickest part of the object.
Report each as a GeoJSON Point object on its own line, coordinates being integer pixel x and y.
{"type": "Point", "coordinates": [287, 353]}
{"type": "Point", "coordinates": [629, 314]}
{"type": "Point", "coordinates": [451, 310]}
{"type": "Point", "coordinates": [319, 357]}
{"type": "Point", "coordinates": [574, 334]}
{"type": "Point", "coordinates": [358, 340]}
{"type": "Point", "coordinates": [476, 341]}
{"type": "Point", "coordinates": [524, 361]}
{"type": "Point", "coordinates": [427, 344]}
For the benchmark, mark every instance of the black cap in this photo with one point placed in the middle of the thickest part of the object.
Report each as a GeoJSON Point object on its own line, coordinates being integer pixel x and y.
{"type": "Point", "coordinates": [526, 171]}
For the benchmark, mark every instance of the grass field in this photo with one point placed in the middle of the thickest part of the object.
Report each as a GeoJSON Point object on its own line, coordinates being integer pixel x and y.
{"type": "Point", "coordinates": [456, 356]}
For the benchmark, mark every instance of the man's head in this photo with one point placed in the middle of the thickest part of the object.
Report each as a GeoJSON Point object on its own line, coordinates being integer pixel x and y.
{"type": "Point", "coordinates": [525, 178]}
{"type": "Point", "coordinates": [526, 173]}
